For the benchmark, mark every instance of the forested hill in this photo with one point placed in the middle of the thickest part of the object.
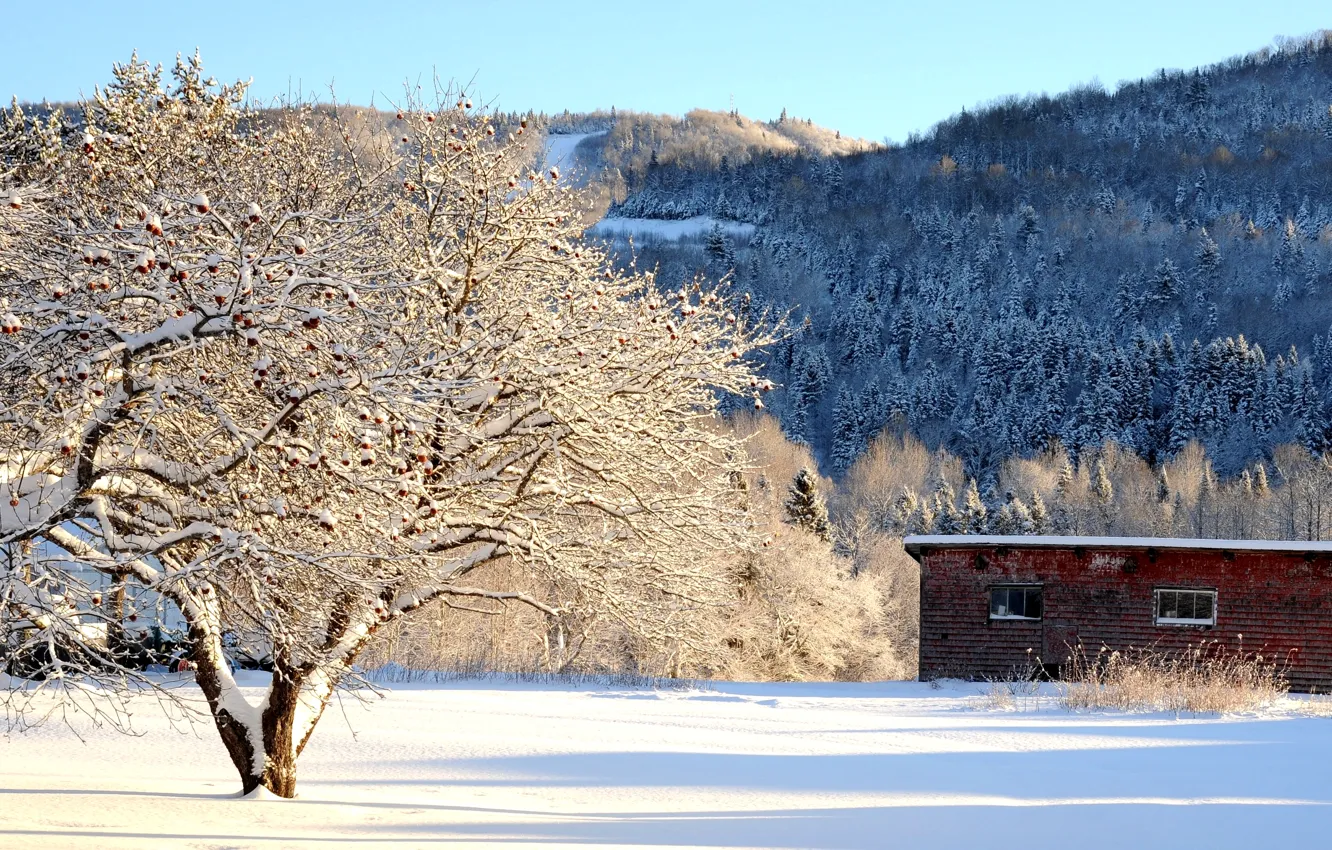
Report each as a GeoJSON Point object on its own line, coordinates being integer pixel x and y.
{"type": "Point", "coordinates": [1147, 266]}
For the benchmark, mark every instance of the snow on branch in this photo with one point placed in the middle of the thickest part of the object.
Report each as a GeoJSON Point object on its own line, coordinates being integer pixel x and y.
{"type": "Point", "coordinates": [298, 377]}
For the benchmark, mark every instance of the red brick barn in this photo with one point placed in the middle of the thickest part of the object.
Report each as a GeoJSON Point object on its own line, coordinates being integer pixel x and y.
{"type": "Point", "coordinates": [989, 606]}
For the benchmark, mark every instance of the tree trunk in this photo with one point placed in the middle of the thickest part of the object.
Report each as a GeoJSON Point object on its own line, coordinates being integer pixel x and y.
{"type": "Point", "coordinates": [275, 767]}
{"type": "Point", "coordinates": [115, 625]}
{"type": "Point", "coordinates": [279, 773]}
{"type": "Point", "coordinates": [276, 729]}
{"type": "Point", "coordinates": [213, 675]}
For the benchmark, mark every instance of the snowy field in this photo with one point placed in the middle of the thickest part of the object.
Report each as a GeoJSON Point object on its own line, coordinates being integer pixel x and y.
{"type": "Point", "coordinates": [672, 230]}
{"type": "Point", "coordinates": [559, 150]}
{"type": "Point", "coordinates": [838, 766]}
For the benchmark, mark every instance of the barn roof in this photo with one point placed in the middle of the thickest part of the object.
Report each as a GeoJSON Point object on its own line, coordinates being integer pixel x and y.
{"type": "Point", "coordinates": [914, 543]}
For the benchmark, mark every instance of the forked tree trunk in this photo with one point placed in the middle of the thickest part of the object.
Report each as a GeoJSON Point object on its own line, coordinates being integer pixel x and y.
{"type": "Point", "coordinates": [241, 725]}
{"type": "Point", "coordinates": [274, 767]}
{"type": "Point", "coordinates": [279, 768]}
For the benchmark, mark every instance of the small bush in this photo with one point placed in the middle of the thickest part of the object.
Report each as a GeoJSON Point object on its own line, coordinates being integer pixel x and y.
{"type": "Point", "coordinates": [1314, 705]}
{"type": "Point", "coordinates": [1011, 693]}
{"type": "Point", "coordinates": [1203, 679]}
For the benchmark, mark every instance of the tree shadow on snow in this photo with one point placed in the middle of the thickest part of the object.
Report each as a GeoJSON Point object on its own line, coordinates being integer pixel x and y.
{"type": "Point", "coordinates": [1237, 783]}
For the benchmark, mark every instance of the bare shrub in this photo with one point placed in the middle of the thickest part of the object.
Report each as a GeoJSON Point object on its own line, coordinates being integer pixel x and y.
{"type": "Point", "coordinates": [1315, 705]}
{"type": "Point", "coordinates": [799, 606]}
{"type": "Point", "coordinates": [807, 609]}
{"type": "Point", "coordinates": [1203, 679]}
{"type": "Point", "coordinates": [893, 632]}
{"type": "Point", "coordinates": [392, 674]}
{"type": "Point", "coordinates": [893, 464]}
{"type": "Point", "coordinates": [1015, 692]}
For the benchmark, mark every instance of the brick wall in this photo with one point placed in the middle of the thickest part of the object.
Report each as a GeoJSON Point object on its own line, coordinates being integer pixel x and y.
{"type": "Point", "coordinates": [1279, 602]}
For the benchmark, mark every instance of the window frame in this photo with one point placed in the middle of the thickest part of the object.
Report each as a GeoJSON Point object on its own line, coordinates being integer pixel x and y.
{"type": "Point", "coordinates": [1158, 620]}
{"type": "Point", "coordinates": [1015, 618]}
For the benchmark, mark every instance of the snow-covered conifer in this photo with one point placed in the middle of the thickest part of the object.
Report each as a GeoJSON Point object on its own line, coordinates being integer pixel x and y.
{"type": "Point", "coordinates": [1040, 516]}
{"type": "Point", "coordinates": [805, 507]}
{"type": "Point", "coordinates": [1100, 483]}
{"type": "Point", "coordinates": [974, 513]}
{"type": "Point", "coordinates": [947, 518]}
{"type": "Point", "coordinates": [1260, 486]}
{"type": "Point", "coordinates": [905, 507]}
{"type": "Point", "coordinates": [848, 429]}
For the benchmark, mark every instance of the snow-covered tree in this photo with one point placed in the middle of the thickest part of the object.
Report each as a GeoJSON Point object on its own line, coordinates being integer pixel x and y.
{"type": "Point", "coordinates": [805, 507]}
{"type": "Point", "coordinates": [974, 513]}
{"type": "Point", "coordinates": [947, 518]}
{"type": "Point", "coordinates": [1040, 516]}
{"type": "Point", "coordinates": [301, 380]}
{"type": "Point", "coordinates": [848, 429]}
{"type": "Point", "coordinates": [1101, 487]}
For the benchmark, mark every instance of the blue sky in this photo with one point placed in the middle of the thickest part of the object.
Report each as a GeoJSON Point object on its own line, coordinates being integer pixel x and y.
{"type": "Point", "coordinates": [871, 69]}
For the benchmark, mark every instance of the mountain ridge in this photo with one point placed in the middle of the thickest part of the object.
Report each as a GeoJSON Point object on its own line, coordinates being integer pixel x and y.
{"type": "Point", "coordinates": [1039, 270]}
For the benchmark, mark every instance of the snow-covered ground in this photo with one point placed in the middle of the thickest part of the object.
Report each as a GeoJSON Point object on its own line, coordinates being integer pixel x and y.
{"type": "Point", "coordinates": [666, 229]}
{"type": "Point", "coordinates": [559, 151]}
{"type": "Point", "coordinates": [510, 765]}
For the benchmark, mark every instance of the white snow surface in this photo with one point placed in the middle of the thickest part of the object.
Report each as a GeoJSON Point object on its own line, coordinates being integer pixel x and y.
{"type": "Point", "coordinates": [913, 543]}
{"type": "Point", "coordinates": [499, 764]}
{"type": "Point", "coordinates": [559, 151]}
{"type": "Point", "coordinates": [666, 229]}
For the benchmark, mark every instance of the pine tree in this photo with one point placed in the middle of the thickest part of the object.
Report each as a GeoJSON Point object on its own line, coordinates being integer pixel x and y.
{"type": "Point", "coordinates": [905, 508]}
{"type": "Point", "coordinates": [1308, 412]}
{"type": "Point", "coordinates": [1206, 485]}
{"type": "Point", "coordinates": [1029, 227]}
{"type": "Point", "coordinates": [805, 507]}
{"type": "Point", "coordinates": [1209, 259]}
{"type": "Point", "coordinates": [1002, 521]}
{"type": "Point", "coordinates": [1105, 200]}
{"type": "Point", "coordinates": [1022, 521]}
{"type": "Point", "coordinates": [848, 430]}
{"type": "Point", "coordinates": [947, 518]}
{"type": "Point", "coordinates": [1198, 95]}
{"type": "Point", "coordinates": [1065, 480]}
{"type": "Point", "coordinates": [1040, 516]}
{"type": "Point", "coordinates": [795, 424]}
{"type": "Point", "coordinates": [922, 519]}
{"type": "Point", "coordinates": [1304, 220]}
{"type": "Point", "coordinates": [1283, 293]}
{"type": "Point", "coordinates": [1101, 487]}
{"type": "Point", "coordinates": [1165, 283]}
{"type": "Point", "coordinates": [1162, 486]}
{"type": "Point", "coordinates": [716, 244]}
{"type": "Point", "coordinates": [974, 513]}
{"type": "Point", "coordinates": [859, 329]}
{"type": "Point", "coordinates": [832, 174]}
{"type": "Point", "coordinates": [812, 371]}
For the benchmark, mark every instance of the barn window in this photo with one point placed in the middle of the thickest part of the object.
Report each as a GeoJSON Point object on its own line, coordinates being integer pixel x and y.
{"type": "Point", "coordinates": [1016, 602]}
{"type": "Point", "coordinates": [1183, 607]}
